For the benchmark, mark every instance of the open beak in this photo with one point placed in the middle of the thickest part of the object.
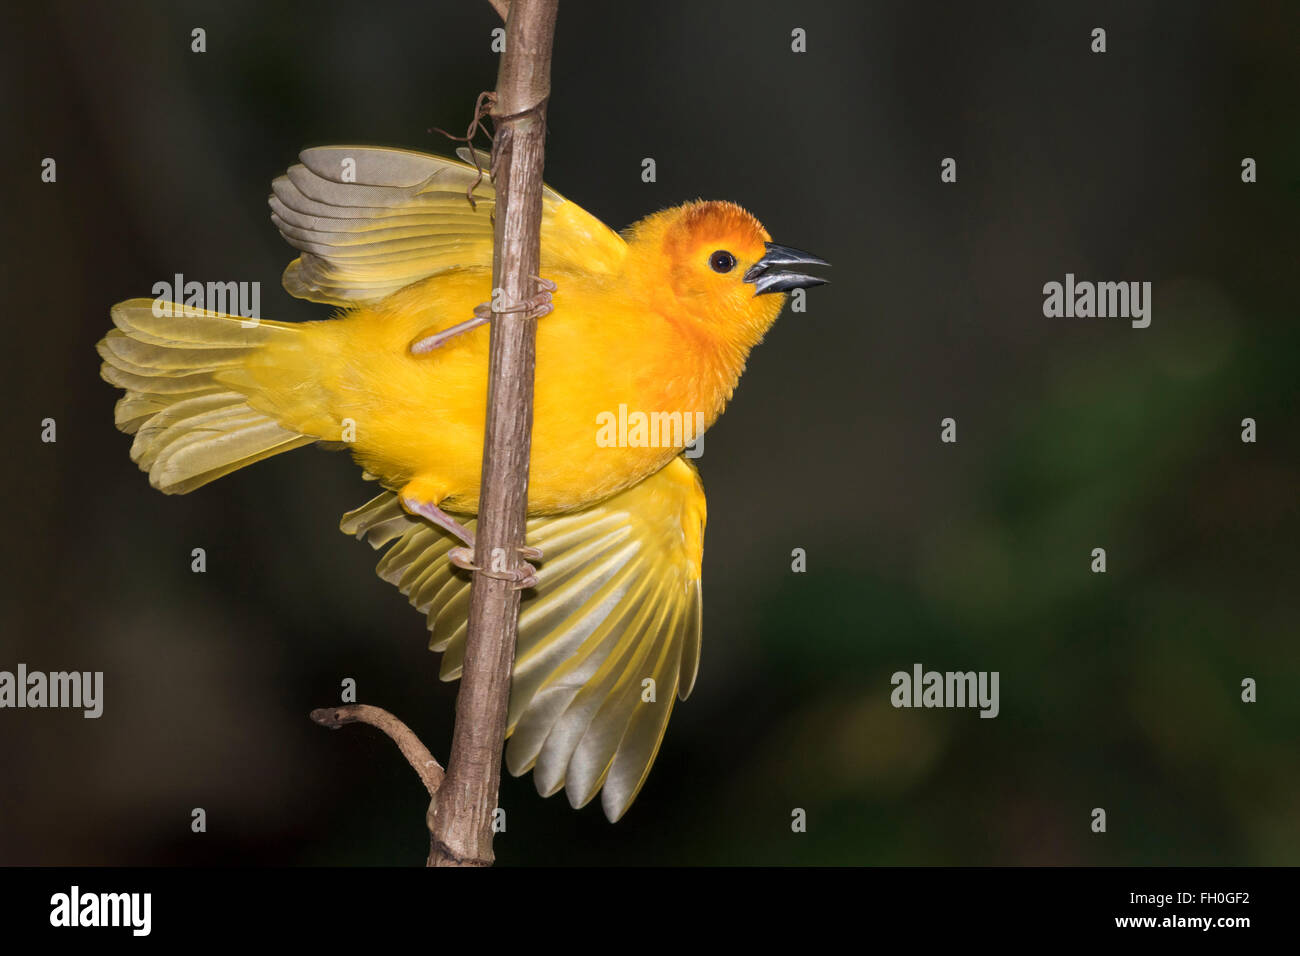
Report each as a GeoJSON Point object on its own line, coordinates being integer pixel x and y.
{"type": "Point", "coordinates": [770, 273]}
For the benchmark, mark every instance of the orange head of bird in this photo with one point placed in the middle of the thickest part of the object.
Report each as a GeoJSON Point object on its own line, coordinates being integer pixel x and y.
{"type": "Point", "coordinates": [714, 262]}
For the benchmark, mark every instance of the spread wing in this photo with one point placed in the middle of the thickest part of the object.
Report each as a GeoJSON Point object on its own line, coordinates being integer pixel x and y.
{"type": "Point", "coordinates": [617, 604]}
{"type": "Point", "coordinates": [369, 221]}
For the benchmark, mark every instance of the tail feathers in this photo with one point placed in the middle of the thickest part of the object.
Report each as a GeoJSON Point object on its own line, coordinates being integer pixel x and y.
{"type": "Point", "coordinates": [190, 427]}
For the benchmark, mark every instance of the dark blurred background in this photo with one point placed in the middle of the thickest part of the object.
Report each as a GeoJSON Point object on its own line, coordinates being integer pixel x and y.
{"type": "Point", "coordinates": [1119, 690]}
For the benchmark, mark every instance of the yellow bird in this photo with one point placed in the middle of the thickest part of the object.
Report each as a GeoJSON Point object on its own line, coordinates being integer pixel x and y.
{"type": "Point", "coordinates": [648, 329]}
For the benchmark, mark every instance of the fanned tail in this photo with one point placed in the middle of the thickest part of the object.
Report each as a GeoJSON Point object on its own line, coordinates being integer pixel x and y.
{"type": "Point", "coordinates": [190, 426]}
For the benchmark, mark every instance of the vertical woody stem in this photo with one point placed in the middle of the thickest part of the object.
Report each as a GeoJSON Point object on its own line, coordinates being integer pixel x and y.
{"type": "Point", "coordinates": [460, 818]}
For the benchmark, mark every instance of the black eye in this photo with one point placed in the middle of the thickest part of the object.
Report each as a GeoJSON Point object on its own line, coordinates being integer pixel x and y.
{"type": "Point", "coordinates": [722, 261]}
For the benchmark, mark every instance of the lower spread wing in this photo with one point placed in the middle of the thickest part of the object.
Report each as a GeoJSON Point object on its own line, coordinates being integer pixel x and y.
{"type": "Point", "coordinates": [369, 221]}
{"type": "Point", "coordinates": [607, 638]}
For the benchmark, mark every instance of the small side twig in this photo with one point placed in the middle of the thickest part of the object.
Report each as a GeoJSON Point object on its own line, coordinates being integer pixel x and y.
{"type": "Point", "coordinates": [416, 753]}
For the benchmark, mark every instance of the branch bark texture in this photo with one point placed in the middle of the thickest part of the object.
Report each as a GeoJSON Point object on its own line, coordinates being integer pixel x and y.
{"type": "Point", "coordinates": [461, 815]}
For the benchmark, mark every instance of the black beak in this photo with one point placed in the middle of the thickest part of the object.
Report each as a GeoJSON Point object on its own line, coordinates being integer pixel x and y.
{"type": "Point", "coordinates": [768, 275]}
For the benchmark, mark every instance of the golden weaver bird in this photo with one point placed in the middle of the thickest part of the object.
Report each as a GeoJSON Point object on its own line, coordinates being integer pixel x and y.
{"type": "Point", "coordinates": [661, 319]}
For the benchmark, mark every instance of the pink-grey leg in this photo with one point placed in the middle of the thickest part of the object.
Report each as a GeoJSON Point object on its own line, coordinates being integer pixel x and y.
{"type": "Point", "coordinates": [535, 307]}
{"type": "Point", "coordinates": [463, 557]}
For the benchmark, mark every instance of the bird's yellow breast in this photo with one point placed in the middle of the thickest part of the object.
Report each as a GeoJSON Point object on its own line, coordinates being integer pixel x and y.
{"type": "Point", "coordinates": [602, 357]}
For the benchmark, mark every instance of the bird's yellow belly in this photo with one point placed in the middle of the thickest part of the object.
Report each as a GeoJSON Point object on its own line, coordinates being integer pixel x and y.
{"type": "Point", "coordinates": [603, 419]}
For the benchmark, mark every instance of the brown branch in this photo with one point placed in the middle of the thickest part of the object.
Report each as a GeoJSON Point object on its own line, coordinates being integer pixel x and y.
{"type": "Point", "coordinates": [502, 7]}
{"type": "Point", "coordinates": [416, 753]}
{"type": "Point", "coordinates": [460, 820]}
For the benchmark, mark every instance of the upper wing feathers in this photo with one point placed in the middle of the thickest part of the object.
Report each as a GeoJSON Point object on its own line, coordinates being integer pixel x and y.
{"type": "Point", "coordinates": [369, 221]}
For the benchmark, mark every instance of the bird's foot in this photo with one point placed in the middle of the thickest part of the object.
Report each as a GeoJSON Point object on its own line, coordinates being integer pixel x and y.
{"type": "Point", "coordinates": [541, 304]}
{"type": "Point", "coordinates": [535, 307]}
{"type": "Point", "coordinates": [524, 576]}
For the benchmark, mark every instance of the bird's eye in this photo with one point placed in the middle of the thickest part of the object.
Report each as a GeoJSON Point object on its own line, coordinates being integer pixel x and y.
{"type": "Point", "coordinates": [722, 261]}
